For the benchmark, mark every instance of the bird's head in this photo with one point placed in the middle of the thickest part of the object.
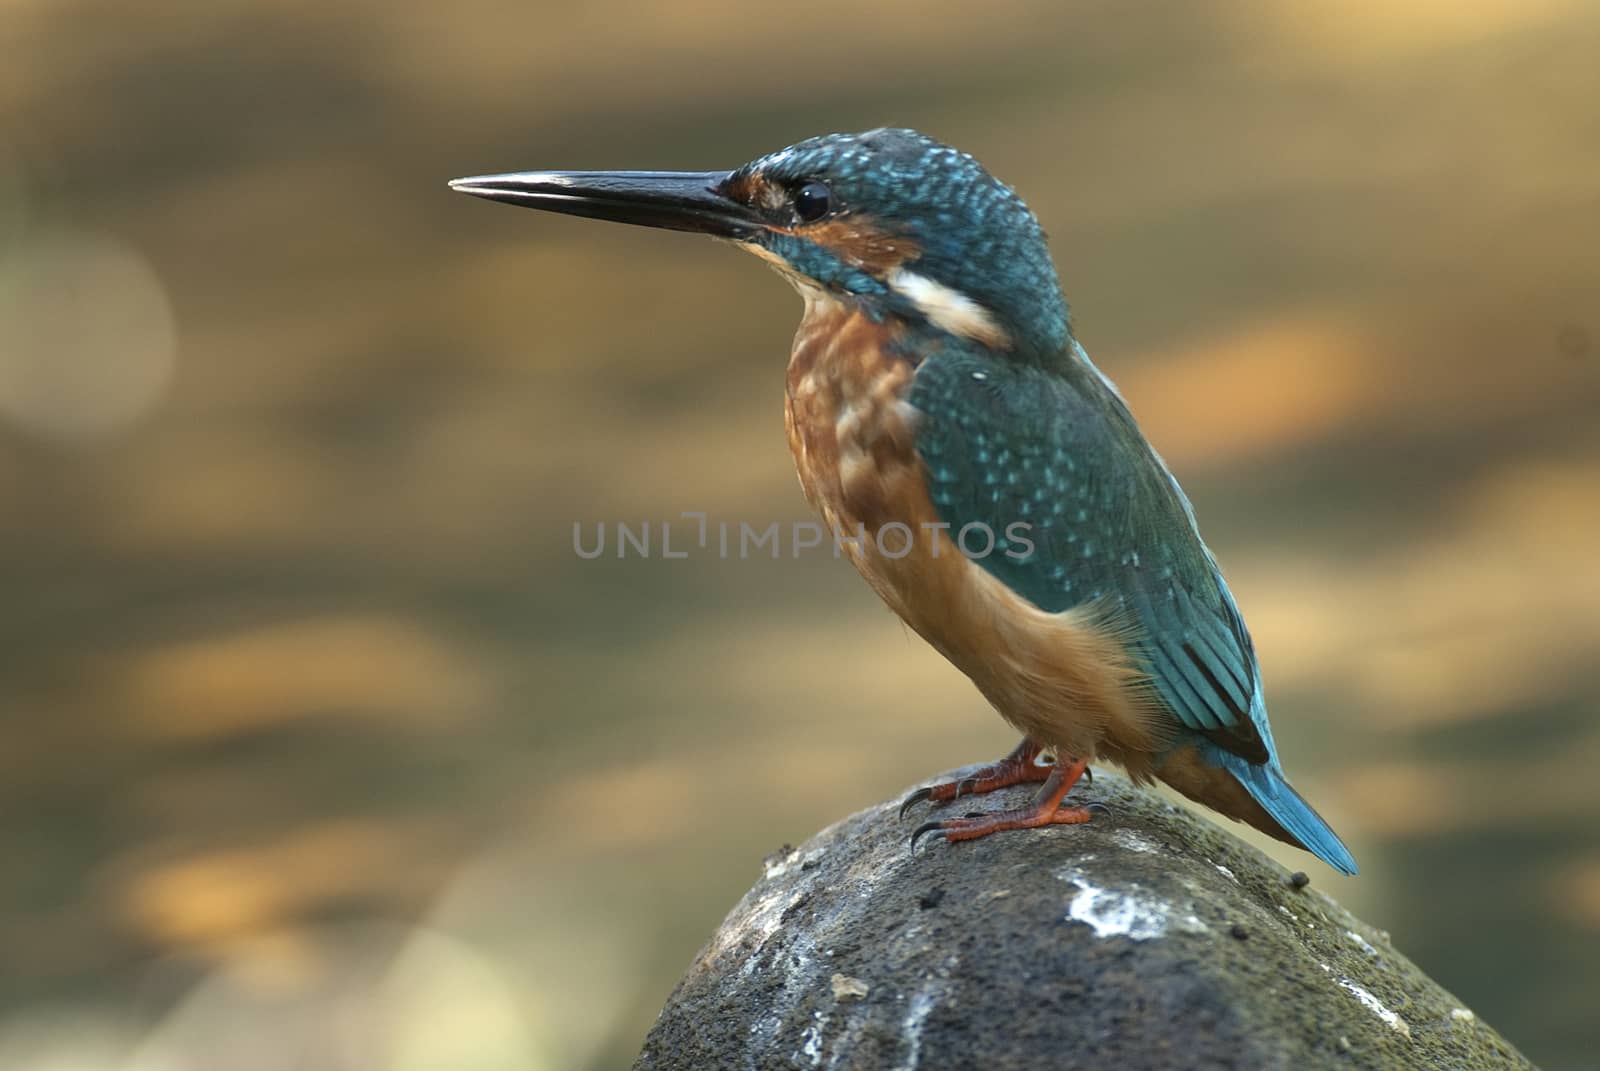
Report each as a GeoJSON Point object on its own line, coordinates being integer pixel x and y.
{"type": "Point", "coordinates": [891, 219]}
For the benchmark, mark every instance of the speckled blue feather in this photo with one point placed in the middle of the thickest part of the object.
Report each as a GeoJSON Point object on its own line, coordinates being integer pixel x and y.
{"type": "Point", "coordinates": [1056, 448]}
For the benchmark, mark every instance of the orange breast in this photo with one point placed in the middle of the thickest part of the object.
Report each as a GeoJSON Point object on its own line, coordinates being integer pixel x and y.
{"type": "Point", "coordinates": [1062, 679]}
{"type": "Point", "coordinates": [850, 428]}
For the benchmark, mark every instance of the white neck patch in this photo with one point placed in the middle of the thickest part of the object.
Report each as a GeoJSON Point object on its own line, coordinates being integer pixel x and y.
{"type": "Point", "coordinates": [950, 310]}
{"type": "Point", "coordinates": [947, 309]}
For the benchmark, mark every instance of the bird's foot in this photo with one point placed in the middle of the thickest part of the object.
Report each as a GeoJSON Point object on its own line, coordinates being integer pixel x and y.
{"type": "Point", "coordinates": [1046, 811]}
{"type": "Point", "coordinates": [954, 829]}
{"type": "Point", "coordinates": [1028, 764]}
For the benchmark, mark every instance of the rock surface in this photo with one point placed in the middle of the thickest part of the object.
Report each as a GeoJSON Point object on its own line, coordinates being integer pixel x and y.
{"type": "Point", "coordinates": [1147, 939]}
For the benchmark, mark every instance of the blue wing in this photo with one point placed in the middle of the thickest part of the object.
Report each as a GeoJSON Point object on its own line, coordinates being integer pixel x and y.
{"type": "Point", "coordinates": [1057, 450]}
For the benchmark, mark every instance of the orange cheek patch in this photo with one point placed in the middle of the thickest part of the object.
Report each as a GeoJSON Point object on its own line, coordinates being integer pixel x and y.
{"type": "Point", "coordinates": [853, 239]}
{"type": "Point", "coordinates": [861, 245]}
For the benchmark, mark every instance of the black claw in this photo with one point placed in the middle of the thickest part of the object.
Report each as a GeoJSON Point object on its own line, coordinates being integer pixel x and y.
{"type": "Point", "coordinates": [1096, 805]}
{"type": "Point", "coordinates": [926, 827]}
{"type": "Point", "coordinates": [915, 798]}
{"type": "Point", "coordinates": [965, 785]}
{"type": "Point", "coordinates": [1088, 776]}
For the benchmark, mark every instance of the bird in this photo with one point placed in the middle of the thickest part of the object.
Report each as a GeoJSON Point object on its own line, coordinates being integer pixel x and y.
{"type": "Point", "coordinates": [985, 478]}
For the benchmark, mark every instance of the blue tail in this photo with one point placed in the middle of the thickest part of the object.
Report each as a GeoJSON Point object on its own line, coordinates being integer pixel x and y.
{"type": "Point", "coordinates": [1267, 785]}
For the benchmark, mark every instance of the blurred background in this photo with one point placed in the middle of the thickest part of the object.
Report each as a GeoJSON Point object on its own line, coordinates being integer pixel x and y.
{"type": "Point", "coordinates": [320, 747]}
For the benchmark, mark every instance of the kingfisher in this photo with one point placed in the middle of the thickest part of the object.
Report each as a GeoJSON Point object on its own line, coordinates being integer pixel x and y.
{"type": "Point", "coordinates": [988, 480]}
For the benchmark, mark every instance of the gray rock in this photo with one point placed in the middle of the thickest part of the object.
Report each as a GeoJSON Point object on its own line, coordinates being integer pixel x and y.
{"type": "Point", "coordinates": [1146, 939]}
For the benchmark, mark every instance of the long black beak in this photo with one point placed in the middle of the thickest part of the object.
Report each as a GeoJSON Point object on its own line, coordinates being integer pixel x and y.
{"type": "Point", "coordinates": [674, 200]}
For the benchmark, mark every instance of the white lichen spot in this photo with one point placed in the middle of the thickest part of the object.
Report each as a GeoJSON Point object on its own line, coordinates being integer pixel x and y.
{"type": "Point", "coordinates": [1462, 1015]}
{"type": "Point", "coordinates": [764, 1032]}
{"type": "Point", "coordinates": [1225, 872]}
{"type": "Point", "coordinates": [811, 1039]}
{"type": "Point", "coordinates": [848, 988]}
{"type": "Point", "coordinates": [765, 917]}
{"type": "Point", "coordinates": [1376, 1007]}
{"type": "Point", "coordinates": [778, 864]}
{"type": "Point", "coordinates": [1135, 841]}
{"type": "Point", "coordinates": [1286, 911]}
{"type": "Point", "coordinates": [756, 928]}
{"type": "Point", "coordinates": [1362, 943]}
{"type": "Point", "coordinates": [1126, 913]}
{"type": "Point", "coordinates": [921, 1006]}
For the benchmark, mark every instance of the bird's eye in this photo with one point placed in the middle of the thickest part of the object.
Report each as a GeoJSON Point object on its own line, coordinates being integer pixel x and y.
{"type": "Point", "coordinates": [811, 202]}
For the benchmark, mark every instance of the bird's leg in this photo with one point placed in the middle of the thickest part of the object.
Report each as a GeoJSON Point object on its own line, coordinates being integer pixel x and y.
{"type": "Point", "coordinates": [1046, 810]}
{"type": "Point", "coordinates": [1028, 763]}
